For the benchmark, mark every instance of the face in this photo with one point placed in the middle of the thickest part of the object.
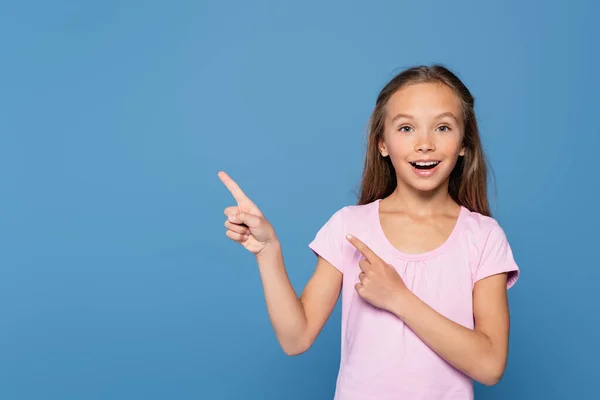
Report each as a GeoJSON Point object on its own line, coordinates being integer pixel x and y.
{"type": "Point", "coordinates": [423, 135]}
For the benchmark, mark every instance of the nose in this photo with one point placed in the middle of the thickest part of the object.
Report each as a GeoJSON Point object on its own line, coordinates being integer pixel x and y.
{"type": "Point", "coordinates": [425, 144]}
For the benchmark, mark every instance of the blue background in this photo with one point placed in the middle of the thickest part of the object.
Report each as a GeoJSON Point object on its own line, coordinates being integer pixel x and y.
{"type": "Point", "coordinates": [116, 278]}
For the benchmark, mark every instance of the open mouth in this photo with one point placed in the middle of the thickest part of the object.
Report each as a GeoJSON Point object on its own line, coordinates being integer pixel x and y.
{"type": "Point", "coordinates": [424, 165]}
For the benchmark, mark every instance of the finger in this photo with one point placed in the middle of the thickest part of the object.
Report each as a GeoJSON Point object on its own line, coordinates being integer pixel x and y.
{"type": "Point", "coordinates": [359, 289]}
{"type": "Point", "coordinates": [233, 187]}
{"type": "Point", "coordinates": [231, 210]}
{"type": "Point", "coordinates": [363, 249]}
{"type": "Point", "coordinates": [361, 277]}
{"type": "Point", "coordinates": [252, 221]}
{"type": "Point", "coordinates": [236, 236]}
{"type": "Point", "coordinates": [364, 265]}
{"type": "Point", "coordinates": [241, 229]}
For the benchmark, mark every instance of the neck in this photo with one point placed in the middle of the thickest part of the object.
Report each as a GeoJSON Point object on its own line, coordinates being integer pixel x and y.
{"type": "Point", "coordinates": [421, 203]}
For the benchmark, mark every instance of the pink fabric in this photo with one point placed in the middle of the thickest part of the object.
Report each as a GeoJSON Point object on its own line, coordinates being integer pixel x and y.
{"type": "Point", "coordinates": [381, 358]}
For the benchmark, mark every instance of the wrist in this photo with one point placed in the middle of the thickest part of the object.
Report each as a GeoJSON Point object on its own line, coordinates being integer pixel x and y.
{"type": "Point", "coordinates": [272, 248]}
{"type": "Point", "coordinates": [403, 301]}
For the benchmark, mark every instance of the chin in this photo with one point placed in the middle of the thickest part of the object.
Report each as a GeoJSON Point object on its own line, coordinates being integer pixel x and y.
{"type": "Point", "coordinates": [423, 184]}
{"type": "Point", "coordinates": [426, 187]}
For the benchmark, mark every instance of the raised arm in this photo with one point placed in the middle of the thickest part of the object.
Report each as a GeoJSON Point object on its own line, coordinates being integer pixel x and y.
{"type": "Point", "coordinates": [296, 321]}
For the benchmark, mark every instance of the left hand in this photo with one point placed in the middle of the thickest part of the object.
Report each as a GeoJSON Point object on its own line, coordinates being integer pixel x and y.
{"type": "Point", "coordinates": [380, 284]}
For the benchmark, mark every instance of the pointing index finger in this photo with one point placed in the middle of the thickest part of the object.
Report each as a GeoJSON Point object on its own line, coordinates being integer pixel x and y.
{"type": "Point", "coordinates": [233, 187]}
{"type": "Point", "coordinates": [363, 248]}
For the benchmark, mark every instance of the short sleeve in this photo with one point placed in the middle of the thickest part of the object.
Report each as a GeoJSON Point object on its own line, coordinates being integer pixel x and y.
{"type": "Point", "coordinates": [497, 257]}
{"type": "Point", "coordinates": [329, 240]}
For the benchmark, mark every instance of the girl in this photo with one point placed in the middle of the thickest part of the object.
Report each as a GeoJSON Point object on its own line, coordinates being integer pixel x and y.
{"type": "Point", "coordinates": [422, 267]}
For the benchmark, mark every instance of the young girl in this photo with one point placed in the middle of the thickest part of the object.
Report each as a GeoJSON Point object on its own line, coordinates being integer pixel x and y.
{"type": "Point", "coordinates": [422, 267]}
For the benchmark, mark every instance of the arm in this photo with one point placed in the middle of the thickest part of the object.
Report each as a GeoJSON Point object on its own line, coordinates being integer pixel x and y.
{"type": "Point", "coordinates": [480, 353]}
{"type": "Point", "coordinates": [297, 321]}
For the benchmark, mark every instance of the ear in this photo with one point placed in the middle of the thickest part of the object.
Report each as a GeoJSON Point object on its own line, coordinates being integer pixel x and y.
{"type": "Point", "coordinates": [382, 148]}
{"type": "Point", "coordinates": [463, 149]}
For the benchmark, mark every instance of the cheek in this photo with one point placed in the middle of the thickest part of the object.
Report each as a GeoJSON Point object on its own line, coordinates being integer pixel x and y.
{"type": "Point", "coordinates": [450, 145]}
{"type": "Point", "coordinates": [399, 146]}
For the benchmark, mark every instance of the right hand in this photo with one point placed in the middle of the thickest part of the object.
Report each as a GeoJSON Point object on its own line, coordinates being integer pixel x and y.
{"type": "Point", "coordinates": [245, 223]}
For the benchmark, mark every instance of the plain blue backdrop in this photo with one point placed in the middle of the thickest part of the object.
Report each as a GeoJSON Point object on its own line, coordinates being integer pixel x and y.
{"type": "Point", "coordinates": [116, 278]}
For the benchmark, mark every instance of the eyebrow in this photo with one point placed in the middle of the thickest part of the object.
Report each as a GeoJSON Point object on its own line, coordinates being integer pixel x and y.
{"type": "Point", "coordinates": [407, 116]}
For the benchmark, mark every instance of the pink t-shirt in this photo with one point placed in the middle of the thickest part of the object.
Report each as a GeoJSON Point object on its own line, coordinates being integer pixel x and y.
{"type": "Point", "coordinates": [381, 358]}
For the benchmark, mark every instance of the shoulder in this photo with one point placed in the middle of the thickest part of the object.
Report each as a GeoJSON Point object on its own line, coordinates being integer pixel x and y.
{"type": "Point", "coordinates": [329, 241]}
{"type": "Point", "coordinates": [478, 223]}
{"type": "Point", "coordinates": [360, 211]}
{"type": "Point", "coordinates": [334, 225]}
{"type": "Point", "coordinates": [350, 216]}
{"type": "Point", "coordinates": [479, 229]}
{"type": "Point", "coordinates": [489, 247]}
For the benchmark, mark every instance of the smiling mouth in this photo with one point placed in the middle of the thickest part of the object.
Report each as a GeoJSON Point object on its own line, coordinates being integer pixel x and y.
{"type": "Point", "coordinates": [424, 165]}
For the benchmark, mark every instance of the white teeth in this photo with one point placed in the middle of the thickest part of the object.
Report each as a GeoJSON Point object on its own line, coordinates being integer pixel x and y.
{"type": "Point", "coordinates": [426, 163]}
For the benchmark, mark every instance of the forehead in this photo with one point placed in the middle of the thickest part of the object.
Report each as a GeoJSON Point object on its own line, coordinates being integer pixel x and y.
{"type": "Point", "coordinates": [423, 100]}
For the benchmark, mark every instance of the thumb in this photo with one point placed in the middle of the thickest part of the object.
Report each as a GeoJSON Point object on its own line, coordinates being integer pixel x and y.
{"type": "Point", "coordinates": [250, 220]}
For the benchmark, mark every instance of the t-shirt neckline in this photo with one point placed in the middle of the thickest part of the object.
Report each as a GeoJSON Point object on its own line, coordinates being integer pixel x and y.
{"type": "Point", "coordinates": [421, 256]}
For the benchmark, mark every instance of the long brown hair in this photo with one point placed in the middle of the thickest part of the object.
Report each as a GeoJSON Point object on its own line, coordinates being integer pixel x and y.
{"type": "Point", "coordinates": [468, 179]}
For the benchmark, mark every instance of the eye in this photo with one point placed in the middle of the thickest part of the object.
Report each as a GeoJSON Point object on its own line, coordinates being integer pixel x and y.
{"type": "Point", "coordinates": [444, 128]}
{"type": "Point", "coordinates": [405, 128]}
